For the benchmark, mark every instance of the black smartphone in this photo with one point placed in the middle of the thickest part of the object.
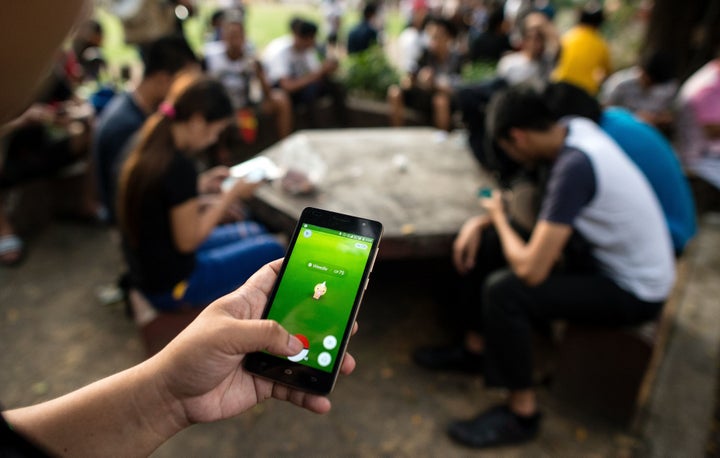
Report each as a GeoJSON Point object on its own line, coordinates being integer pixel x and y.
{"type": "Point", "coordinates": [317, 296]}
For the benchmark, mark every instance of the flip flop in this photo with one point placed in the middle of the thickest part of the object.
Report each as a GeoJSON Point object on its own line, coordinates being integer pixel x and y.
{"type": "Point", "coordinates": [11, 243]}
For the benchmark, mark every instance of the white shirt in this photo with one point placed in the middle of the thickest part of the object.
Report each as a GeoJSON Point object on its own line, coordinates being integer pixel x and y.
{"type": "Point", "coordinates": [236, 75]}
{"type": "Point", "coordinates": [283, 61]}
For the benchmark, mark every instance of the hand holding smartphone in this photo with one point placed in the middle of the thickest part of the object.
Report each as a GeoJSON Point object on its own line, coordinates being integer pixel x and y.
{"type": "Point", "coordinates": [317, 297]}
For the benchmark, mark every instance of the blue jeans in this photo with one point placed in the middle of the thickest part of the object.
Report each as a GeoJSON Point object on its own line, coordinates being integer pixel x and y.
{"type": "Point", "coordinates": [229, 256]}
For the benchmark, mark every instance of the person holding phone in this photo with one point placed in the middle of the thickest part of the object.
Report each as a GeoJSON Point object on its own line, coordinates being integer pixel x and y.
{"type": "Point", "coordinates": [198, 377]}
{"type": "Point", "coordinates": [512, 283]}
{"type": "Point", "coordinates": [177, 252]}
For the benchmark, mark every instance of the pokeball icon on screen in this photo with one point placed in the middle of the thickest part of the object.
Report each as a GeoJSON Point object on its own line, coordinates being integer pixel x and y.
{"type": "Point", "coordinates": [304, 352]}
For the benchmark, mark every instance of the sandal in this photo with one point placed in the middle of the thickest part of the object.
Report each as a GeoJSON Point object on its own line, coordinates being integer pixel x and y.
{"type": "Point", "coordinates": [11, 244]}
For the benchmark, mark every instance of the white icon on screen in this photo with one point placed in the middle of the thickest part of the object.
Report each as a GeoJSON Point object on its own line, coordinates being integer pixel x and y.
{"type": "Point", "coordinates": [324, 359]}
{"type": "Point", "coordinates": [329, 342]}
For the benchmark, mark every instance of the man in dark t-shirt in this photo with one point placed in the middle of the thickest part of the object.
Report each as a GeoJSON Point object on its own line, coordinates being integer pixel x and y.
{"type": "Point", "coordinates": [510, 284]}
{"type": "Point", "coordinates": [126, 112]}
{"type": "Point", "coordinates": [363, 35]}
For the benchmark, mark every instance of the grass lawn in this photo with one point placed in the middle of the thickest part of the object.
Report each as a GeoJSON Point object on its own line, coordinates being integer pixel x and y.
{"type": "Point", "coordinates": [265, 22]}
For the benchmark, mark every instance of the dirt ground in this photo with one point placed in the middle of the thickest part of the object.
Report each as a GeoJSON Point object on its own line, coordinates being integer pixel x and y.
{"type": "Point", "coordinates": [56, 335]}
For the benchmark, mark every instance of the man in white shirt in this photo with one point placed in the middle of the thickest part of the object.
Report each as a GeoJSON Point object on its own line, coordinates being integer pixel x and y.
{"type": "Point", "coordinates": [234, 64]}
{"type": "Point", "coordinates": [294, 66]}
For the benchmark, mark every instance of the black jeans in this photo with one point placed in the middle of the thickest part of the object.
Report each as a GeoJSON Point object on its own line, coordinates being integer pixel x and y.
{"type": "Point", "coordinates": [505, 309]}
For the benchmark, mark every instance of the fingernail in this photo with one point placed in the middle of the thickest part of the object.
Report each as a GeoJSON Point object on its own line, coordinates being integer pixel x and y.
{"type": "Point", "coordinates": [294, 344]}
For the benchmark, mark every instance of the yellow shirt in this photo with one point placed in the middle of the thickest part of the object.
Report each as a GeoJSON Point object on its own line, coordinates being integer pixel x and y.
{"type": "Point", "coordinates": [584, 59]}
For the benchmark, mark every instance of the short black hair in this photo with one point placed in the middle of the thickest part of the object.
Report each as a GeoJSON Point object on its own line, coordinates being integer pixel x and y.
{"type": "Point", "coordinates": [592, 14]}
{"type": "Point", "coordinates": [370, 10]}
{"type": "Point", "coordinates": [565, 99]}
{"type": "Point", "coordinates": [659, 66]}
{"type": "Point", "coordinates": [305, 29]}
{"type": "Point", "coordinates": [167, 54]}
{"type": "Point", "coordinates": [447, 24]}
{"type": "Point", "coordinates": [495, 19]}
{"type": "Point", "coordinates": [519, 107]}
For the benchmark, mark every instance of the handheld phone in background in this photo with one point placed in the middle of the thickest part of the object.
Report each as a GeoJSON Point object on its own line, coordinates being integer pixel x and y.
{"type": "Point", "coordinates": [317, 296]}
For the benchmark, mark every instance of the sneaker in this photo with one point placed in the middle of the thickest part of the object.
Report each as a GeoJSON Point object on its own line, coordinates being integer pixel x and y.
{"type": "Point", "coordinates": [497, 426]}
{"type": "Point", "coordinates": [449, 358]}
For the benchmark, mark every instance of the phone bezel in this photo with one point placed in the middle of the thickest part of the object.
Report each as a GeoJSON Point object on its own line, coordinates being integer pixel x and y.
{"type": "Point", "coordinates": [297, 375]}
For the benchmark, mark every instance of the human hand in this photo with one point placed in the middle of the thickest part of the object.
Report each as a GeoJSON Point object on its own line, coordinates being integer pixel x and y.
{"type": "Point", "coordinates": [201, 370]}
{"type": "Point", "coordinates": [329, 66]}
{"type": "Point", "coordinates": [243, 190]}
{"type": "Point", "coordinates": [494, 205]}
{"type": "Point", "coordinates": [467, 243]}
{"type": "Point", "coordinates": [425, 78]}
{"type": "Point", "coordinates": [210, 181]}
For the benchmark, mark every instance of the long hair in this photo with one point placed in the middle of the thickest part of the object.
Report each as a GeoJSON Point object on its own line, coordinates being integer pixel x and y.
{"type": "Point", "coordinates": [142, 172]}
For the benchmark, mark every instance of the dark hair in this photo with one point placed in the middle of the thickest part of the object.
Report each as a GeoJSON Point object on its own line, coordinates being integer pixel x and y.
{"type": "Point", "coordinates": [659, 66]}
{"type": "Point", "coordinates": [591, 14]}
{"type": "Point", "coordinates": [565, 99]}
{"type": "Point", "coordinates": [370, 10]}
{"type": "Point", "coordinates": [520, 107]}
{"type": "Point", "coordinates": [167, 54]}
{"type": "Point", "coordinates": [294, 24]}
{"type": "Point", "coordinates": [306, 29]}
{"type": "Point", "coordinates": [447, 24]}
{"type": "Point", "coordinates": [143, 170]}
{"type": "Point", "coordinates": [495, 19]}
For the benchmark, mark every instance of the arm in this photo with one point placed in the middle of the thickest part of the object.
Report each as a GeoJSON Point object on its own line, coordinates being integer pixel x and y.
{"type": "Point", "coordinates": [531, 261]}
{"type": "Point", "coordinates": [295, 84]}
{"type": "Point", "coordinates": [197, 378]}
{"type": "Point", "coordinates": [191, 227]}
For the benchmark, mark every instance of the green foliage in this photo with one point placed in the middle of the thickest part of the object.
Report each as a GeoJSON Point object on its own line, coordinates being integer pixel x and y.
{"type": "Point", "coordinates": [478, 71]}
{"type": "Point", "coordinates": [369, 74]}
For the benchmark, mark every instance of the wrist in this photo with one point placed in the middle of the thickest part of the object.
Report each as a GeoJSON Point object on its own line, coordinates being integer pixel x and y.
{"type": "Point", "coordinates": [160, 411]}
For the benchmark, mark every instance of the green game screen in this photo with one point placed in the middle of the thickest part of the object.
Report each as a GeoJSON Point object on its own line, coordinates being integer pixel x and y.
{"type": "Point", "coordinates": [318, 289]}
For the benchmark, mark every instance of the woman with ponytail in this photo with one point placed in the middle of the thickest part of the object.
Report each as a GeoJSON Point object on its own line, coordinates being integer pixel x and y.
{"type": "Point", "coordinates": [177, 252]}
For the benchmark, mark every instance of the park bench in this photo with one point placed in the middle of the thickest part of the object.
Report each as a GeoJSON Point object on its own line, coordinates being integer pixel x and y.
{"type": "Point", "coordinates": [611, 372]}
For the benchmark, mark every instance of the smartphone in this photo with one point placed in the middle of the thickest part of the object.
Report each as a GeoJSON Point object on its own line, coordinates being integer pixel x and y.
{"type": "Point", "coordinates": [317, 296]}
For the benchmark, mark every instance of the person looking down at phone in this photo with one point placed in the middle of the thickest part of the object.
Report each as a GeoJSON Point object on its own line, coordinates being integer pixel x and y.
{"type": "Point", "coordinates": [177, 252]}
{"type": "Point", "coordinates": [600, 253]}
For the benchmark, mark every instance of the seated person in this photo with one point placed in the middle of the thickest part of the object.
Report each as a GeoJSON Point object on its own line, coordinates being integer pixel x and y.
{"type": "Point", "coordinates": [584, 54]}
{"type": "Point", "coordinates": [293, 66]}
{"type": "Point", "coordinates": [363, 35]}
{"type": "Point", "coordinates": [122, 118]}
{"type": "Point", "coordinates": [430, 87]}
{"type": "Point", "coordinates": [242, 75]}
{"type": "Point", "coordinates": [646, 147]}
{"type": "Point", "coordinates": [412, 39]}
{"type": "Point", "coordinates": [530, 63]}
{"type": "Point", "coordinates": [176, 252]}
{"type": "Point", "coordinates": [698, 122]}
{"type": "Point", "coordinates": [599, 253]}
{"type": "Point", "coordinates": [648, 90]}
{"type": "Point", "coordinates": [50, 135]}
{"type": "Point", "coordinates": [491, 44]}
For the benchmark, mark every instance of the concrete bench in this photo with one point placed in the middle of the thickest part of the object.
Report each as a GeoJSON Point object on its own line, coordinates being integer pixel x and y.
{"type": "Point", "coordinates": [610, 372]}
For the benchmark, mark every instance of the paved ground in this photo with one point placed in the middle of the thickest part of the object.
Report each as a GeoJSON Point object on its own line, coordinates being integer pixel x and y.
{"type": "Point", "coordinates": [55, 335]}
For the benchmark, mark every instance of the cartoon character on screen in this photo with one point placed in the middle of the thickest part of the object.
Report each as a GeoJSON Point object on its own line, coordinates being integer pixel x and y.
{"type": "Point", "coordinates": [320, 290]}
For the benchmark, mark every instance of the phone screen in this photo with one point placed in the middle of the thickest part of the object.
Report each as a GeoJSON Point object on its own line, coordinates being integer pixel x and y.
{"type": "Point", "coordinates": [317, 293]}
{"type": "Point", "coordinates": [317, 296]}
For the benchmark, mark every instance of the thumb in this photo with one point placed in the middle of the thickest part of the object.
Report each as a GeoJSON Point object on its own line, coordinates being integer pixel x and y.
{"type": "Point", "coordinates": [265, 335]}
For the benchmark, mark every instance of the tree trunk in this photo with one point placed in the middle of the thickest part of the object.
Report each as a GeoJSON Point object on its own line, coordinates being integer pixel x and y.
{"type": "Point", "coordinates": [688, 30]}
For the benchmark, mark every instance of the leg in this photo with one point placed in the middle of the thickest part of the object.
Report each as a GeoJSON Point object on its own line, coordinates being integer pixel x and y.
{"type": "Point", "coordinates": [397, 108]}
{"type": "Point", "coordinates": [11, 247]}
{"type": "Point", "coordinates": [228, 234]}
{"type": "Point", "coordinates": [280, 106]}
{"type": "Point", "coordinates": [221, 270]}
{"type": "Point", "coordinates": [441, 111]}
{"type": "Point", "coordinates": [510, 309]}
